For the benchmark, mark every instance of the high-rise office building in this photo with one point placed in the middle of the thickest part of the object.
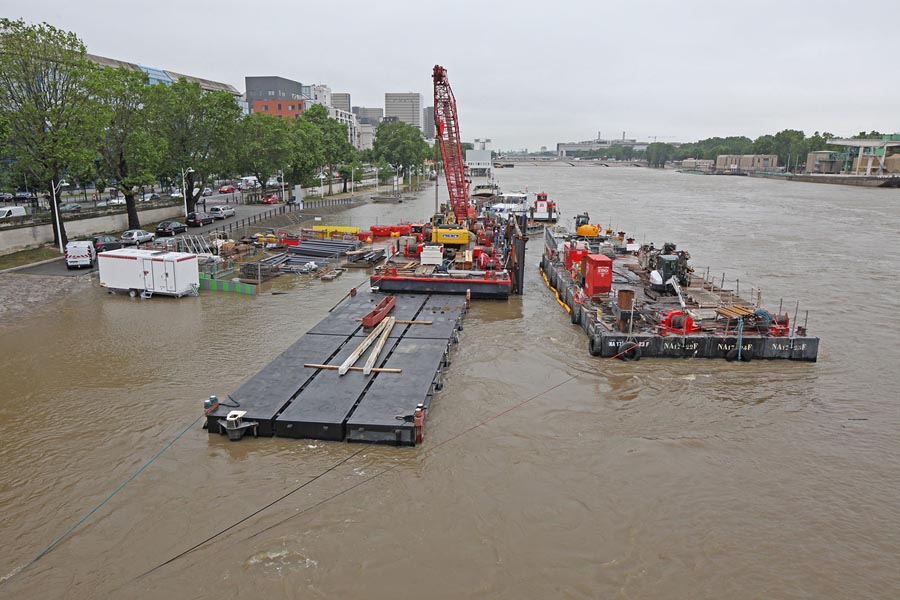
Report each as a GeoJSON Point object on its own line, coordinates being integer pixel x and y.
{"type": "Point", "coordinates": [341, 101]}
{"type": "Point", "coordinates": [407, 107]}
{"type": "Point", "coordinates": [428, 120]}
{"type": "Point", "coordinates": [371, 116]}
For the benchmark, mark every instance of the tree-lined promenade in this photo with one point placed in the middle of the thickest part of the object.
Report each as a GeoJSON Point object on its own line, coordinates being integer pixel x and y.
{"type": "Point", "coordinates": [64, 117]}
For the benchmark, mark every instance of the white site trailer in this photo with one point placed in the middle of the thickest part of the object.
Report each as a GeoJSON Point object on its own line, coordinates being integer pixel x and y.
{"type": "Point", "coordinates": [148, 272]}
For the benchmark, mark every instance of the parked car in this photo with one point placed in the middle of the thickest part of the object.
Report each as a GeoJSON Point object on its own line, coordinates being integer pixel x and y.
{"type": "Point", "coordinates": [153, 196]}
{"type": "Point", "coordinates": [176, 194]}
{"type": "Point", "coordinates": [270, 200]}
{"type": "Point", "coordinates": [119, 201]}
{"type": "Point", "coordinates": [102, 243]}
{"type": "Point", "coordinates": [199, 219]}
{"type": "Point", "coordinates": [227, 189]}
{"type": "Point", "coordinates": [7, 197]}
{"type": "Point", "coordinates": [72, 207]}
{"type": "Point", "coordinates": [137, 236]}
{"type": "Point", "coordinates": [170, 228]}
{"type": "Point", "coordinates": [206, 192]}
{"type": "Point", "coordinates": [80, 254]}
{"type": "Point", "coordinates": [221, 212]}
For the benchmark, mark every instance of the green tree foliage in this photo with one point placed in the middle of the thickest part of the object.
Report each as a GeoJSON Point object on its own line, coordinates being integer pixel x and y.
{"type": "Point", "coordinates": [130, 149]}
{"type": "Point", "coordinates": [51, 125]}
{"type": "Point", "coordinates": [264, 145]}
{"type": "Point", "coordinates": [351, 172]}
{"type": "Point", "coordinates": [712, 147]}
{"type": "Point", "coordinates": [199, 128]}
{"type": "Point", "coordinates": [400, 145]}
{"type": "Point", "coordinates": [335, 146]}
{"type": "Point", "coordinates": [658, 154]}
{"type": "Point", "coordinates": [307, 153]}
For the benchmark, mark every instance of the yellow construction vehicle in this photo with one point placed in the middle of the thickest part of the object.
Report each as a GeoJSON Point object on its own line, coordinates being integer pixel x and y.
{"type": "Point", "coordinates": [448, 234]}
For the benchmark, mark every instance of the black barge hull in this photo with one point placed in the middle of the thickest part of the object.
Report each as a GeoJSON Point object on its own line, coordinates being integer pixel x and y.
{"type": "Point", "coordinates": [604, 343]}
{"type": "Point", "coordinates": [498, 289]}
{"type": "Point", "coordinates": [289, 400]}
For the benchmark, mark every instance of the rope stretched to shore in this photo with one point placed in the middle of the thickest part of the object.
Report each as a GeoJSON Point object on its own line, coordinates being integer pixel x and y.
{"type": "Point", "coordinates": [254, 513]}
{"type": "Point", "coordinates": [425, 453]}
{"type": "Point", "coordinates": [354, 486]}
{"type": "Point", "coordinates": [71, 529]}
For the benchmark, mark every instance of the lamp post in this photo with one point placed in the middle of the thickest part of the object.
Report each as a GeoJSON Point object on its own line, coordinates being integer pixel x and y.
{"type": "Point", "coordinates": [283, 199]}
{"type": "Point", "coordinates": [184, 189]}
{"type": "Point", "coordinates": [54, 188]}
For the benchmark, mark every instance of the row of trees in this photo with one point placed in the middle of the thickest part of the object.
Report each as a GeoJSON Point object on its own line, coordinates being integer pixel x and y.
{"type": "Point", "coordinates": [791, 146]}
{"type": "Point", "coordinates": [62, 116]}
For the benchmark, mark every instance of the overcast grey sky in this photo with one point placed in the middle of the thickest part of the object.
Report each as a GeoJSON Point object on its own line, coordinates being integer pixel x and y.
{"type": "Point", "coordinates": [529, 73]}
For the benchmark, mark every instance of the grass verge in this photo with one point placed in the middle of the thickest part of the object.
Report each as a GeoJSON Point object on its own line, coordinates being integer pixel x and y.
{"type": "Point", "coordinates": [27, 257]}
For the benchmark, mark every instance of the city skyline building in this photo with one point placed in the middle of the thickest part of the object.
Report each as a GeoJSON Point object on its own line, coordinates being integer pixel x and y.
{"type": "Point", "coordinates": [371, 116]}
{"type": "Point", "coordinates": [405, 106]}
{"type": "Point", "coordinates": [341, 101]}
{"type": "Point", "coordinates": [428, 122]}
{"type": "Point", "coordinates": [272, 88]}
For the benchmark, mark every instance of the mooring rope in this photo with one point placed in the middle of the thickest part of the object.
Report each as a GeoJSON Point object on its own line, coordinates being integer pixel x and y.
{"type": "Point", "coordinates": [71, 529]}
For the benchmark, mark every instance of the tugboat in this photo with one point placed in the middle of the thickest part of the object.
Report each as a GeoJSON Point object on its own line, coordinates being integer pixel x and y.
{"type": "Point", "coordinates": [483, 193]}
{"type": "Point", "coordinates": [635, 300]}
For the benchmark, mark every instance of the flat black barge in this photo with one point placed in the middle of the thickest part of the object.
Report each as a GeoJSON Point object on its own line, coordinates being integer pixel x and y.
{"type": "Point", "coordinates": [289, 398]}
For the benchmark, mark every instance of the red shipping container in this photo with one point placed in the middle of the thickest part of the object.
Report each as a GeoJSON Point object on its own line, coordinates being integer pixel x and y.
{"type": "Point", "coordinates": [597, 270]}
{"type": "Point", "coordinates": [572, 255]}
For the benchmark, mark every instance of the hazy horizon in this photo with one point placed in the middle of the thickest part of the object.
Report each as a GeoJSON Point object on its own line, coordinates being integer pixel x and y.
{"type": "Point", "coordinates": [531, 74]}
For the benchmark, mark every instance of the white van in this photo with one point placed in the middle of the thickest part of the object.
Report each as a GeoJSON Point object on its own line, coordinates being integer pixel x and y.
{"type": "Point", "coordinates": [250, 183]}
{"type": "Point", "coordinates": [10, 212]}
{"type": "Point", "coordinates": [80, 254]}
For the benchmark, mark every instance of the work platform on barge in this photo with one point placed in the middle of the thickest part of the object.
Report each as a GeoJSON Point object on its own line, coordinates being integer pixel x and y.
{"type": "Point", "coordinates": [627, 320]}
{"type": "Point", "coordinates": [301, 394]}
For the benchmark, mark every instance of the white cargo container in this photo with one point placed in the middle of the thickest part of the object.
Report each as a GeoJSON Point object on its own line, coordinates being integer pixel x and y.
{"type": "Point", "coordinates": [147, 272]}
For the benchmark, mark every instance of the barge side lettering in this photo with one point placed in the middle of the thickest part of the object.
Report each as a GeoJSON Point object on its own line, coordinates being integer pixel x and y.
{"type": "Point", "coordinates": [733, 346]}
{"type": "Point", "coordinates": [778, 346]}
{"type": "Point", "coordinates": [680, 346]}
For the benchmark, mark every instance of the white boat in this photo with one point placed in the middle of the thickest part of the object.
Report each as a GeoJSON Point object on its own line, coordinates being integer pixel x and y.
{"type": "Point", "coordinates": [544, 210]}
{"type": "Point", "coordinates": [511, 203]}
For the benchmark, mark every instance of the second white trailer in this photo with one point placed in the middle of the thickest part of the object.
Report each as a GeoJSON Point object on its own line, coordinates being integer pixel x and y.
{"type": "Point", "coordinates": [147, 272]}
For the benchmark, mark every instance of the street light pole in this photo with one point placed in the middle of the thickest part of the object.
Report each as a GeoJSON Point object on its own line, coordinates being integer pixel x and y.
{"type": "Point", "coordinates": [184, 189]}
{"type": "Point", "coordinates": [53, 189]}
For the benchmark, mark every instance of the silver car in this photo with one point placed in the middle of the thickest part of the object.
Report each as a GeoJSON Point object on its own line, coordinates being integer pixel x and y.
{"type": "Point", "coordinates": [221, 212]}
{"type": "Point", "coordinates": [137, 236]}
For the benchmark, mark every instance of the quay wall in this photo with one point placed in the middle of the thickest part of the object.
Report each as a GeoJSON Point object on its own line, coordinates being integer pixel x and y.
{"type": "Point", "coordinates": [32, 236]}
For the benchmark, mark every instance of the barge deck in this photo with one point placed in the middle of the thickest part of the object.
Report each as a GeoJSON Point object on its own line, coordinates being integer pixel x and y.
{"type": "Point", "coordinates": [301, 394]}
{"type": "Point", "coordinates": [711, 323]}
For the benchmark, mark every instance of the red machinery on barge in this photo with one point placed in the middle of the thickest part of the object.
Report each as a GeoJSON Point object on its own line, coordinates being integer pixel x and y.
{"type": "Point", "coordinates": [442, 256]}
{"type": "Point", "coordinates": [636, 300]}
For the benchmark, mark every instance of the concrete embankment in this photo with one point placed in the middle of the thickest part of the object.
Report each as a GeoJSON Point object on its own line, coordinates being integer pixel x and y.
{"type": "Point", "coordinates": [32, 236]}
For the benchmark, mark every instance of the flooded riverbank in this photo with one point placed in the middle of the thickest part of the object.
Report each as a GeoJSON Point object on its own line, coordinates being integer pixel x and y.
{"type": "Point", "coordinates": [664, 478]}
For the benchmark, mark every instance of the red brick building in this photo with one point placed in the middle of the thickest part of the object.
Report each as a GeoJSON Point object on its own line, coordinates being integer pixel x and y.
{"type": "Point", "coordinates": [282, 108]}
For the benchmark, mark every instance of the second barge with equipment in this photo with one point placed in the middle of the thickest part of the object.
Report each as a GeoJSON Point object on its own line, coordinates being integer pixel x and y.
{"type": "Point", "coordinates": [636, 300]}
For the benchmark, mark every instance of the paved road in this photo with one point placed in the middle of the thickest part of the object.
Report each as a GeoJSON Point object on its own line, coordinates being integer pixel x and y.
{"type": "Point", "coordinates": [58, 267]}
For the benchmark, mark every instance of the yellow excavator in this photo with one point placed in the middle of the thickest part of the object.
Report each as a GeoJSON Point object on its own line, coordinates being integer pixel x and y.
{"type": "Point", "coordinates": [584, 228]}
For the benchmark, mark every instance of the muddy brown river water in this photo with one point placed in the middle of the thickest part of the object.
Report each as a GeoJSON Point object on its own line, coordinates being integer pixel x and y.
{"type": "Point", "coordinates": [655, 479]}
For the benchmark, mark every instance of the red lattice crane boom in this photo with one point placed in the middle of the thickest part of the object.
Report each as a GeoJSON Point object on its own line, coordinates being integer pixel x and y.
{"type": "Point", "coordinates": [446, 126]}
